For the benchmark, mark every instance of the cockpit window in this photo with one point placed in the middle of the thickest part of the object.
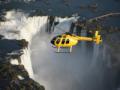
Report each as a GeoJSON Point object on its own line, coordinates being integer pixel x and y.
{"type": "Point", "coordinates": [58, 41]}
{"type": "Point", "coordinates": [67, 41]}
{"type": "Point", "coordinates": [54, 38]}
{"type": "Point", "coordinates": [63, 41]}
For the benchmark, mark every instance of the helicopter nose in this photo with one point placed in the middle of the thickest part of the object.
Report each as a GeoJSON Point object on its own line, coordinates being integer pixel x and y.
{"type": "Point", "coordinates": [52, 42]}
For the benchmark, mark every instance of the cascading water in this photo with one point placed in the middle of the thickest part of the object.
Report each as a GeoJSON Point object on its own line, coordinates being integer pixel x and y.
{"type": "Point", "coordinates": [95, 55]}
{"type": "Point", "coordinates": [83, 44]}
{"type": "Point", "coordinates": [20, 26]}
{"type": "Point", "coordinates": [63, 71]}
{"type": "Point", "coordinates": [80, 70]}
{"type": "Point", "coordinates": [88, 67]}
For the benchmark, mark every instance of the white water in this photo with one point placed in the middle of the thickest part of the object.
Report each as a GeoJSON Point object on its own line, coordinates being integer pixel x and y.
{"type": "Point", "coordinates": [55, 71]}
{"type": "Point", "coordinates": [20, 26]}
{"type": "Point", "coordinates": [78, 70]}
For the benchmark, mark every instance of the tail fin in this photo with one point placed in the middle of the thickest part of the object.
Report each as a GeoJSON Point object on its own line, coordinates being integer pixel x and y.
{"type": "Point", "coordinates": [97, 38]}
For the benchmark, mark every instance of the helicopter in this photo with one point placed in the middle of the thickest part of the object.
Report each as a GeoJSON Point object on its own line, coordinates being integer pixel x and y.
{"type": "Point", "coordinates": [69, 40]}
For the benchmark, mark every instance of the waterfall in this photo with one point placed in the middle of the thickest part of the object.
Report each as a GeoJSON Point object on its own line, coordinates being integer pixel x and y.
{"type": "Point", "coordinates": [83, 43]}
{"type": "Point", "coordinates": [19, 26]}
{"type": "Point", "coordinates": [95, 55]}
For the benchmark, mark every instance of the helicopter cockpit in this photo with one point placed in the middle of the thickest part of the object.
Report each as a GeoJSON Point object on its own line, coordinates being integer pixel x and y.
{"type": "Point", "coordinates": [54, 39]}
{"type": "Point", "coordinates": [58, 40]}
{"type": "Point", "coordinates": [62, 41]}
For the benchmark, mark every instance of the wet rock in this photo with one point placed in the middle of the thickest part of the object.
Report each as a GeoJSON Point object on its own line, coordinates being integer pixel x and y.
{"type": "Point", "coordinates": [1, 36]}
{"type": "Point", "coordinates": [9, 78]}
{"type": "Point", "coordinates": [23, 43]}
{"type": "Point", "coordinates": [51, 20]}
{"type": "Point", "coordinates": [14, 77]}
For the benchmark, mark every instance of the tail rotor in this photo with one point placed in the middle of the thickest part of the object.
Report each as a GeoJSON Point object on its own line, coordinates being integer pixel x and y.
{"type": "Point", "coordinates": [97, 38]}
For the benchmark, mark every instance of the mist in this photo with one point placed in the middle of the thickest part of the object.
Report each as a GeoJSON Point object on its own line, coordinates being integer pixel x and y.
{"type": "Point", "coordinates": [83, 69]}
{"type": "Point", "coordinates": [88, 67]}
{"type": "Point", "coordinates": [19, 26]}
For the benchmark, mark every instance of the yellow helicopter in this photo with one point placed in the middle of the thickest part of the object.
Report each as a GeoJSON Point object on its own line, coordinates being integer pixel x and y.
{"type": "Point", "coordinates": [69, 40]}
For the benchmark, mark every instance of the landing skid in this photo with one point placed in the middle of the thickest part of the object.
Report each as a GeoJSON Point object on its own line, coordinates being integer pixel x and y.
{"type": "Point", "coordinates": [62, 52]}
{"type": "Point", "coordinates": [70, 49]}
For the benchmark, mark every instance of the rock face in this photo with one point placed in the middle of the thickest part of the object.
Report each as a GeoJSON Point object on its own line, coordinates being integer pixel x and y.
{"type": "Point", "coordinates": [14, 77]}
